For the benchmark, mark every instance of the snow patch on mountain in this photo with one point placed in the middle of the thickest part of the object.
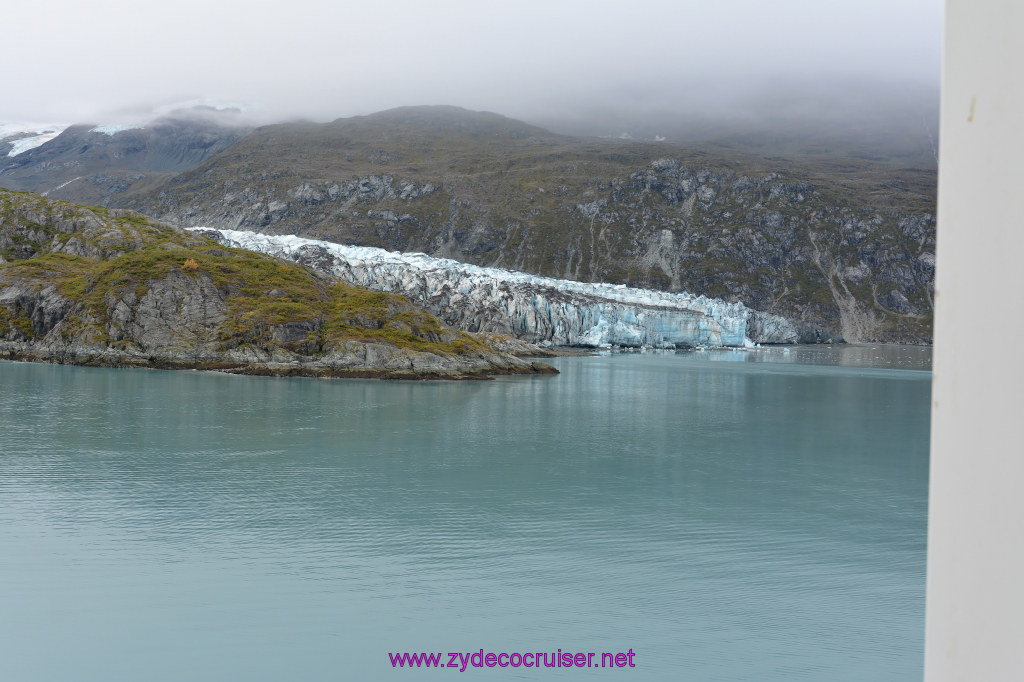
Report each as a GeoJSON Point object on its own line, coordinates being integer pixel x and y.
{"type": "Point", "coordinates": [115, 128]}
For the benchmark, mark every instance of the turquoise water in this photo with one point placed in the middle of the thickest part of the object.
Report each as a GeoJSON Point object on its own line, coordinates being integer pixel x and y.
{"type": "Point", "coordinates": [727, 516]}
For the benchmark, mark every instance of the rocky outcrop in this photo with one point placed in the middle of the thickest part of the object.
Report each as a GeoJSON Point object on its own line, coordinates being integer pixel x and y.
{"type": "Point", "coordinates": [93, 287]}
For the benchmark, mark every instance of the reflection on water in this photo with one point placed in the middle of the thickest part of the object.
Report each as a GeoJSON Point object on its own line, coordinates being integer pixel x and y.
{"type": "Point", "coordinates": [879, 356]}
{"type": "Point", "coordinates": [760, 520]}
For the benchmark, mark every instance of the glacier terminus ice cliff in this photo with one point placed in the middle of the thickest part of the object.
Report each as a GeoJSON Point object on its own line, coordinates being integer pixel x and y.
{"type": "Point", "coordinates": [540, 310]}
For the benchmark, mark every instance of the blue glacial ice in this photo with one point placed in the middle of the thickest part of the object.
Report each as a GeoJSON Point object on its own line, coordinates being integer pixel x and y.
{"type": "Point", "coordinates": [536, 309]}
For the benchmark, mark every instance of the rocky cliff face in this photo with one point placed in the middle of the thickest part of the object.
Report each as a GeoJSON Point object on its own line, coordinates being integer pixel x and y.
{"type": "Point", "coordinates": [846, 245]}
{"type": "Point", "coordinates": [91, 286]}
{"type": "Point", "coordinates": [535, 309]}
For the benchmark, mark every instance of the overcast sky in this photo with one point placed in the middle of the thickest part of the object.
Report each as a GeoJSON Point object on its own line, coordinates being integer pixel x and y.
{"type": "Point", "coordinates": [69, 60]}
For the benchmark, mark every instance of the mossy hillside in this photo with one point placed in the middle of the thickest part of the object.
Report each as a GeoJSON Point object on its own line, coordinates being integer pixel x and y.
{"type": "Point", "coordinates": [31, 224]}
{"type": "Point", "coordinates": [262, 293]}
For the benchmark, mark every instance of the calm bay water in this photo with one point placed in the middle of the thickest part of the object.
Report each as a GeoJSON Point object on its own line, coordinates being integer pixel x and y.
{"type": "Point", "coordinates": [727, 516]}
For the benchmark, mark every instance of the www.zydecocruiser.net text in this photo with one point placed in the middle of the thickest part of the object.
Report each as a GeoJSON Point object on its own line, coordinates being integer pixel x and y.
{"type": "Point", "coordinates": [462, 660]}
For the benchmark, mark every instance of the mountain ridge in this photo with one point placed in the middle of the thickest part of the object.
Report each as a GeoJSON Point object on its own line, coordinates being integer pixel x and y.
{"type": "Point", "coordinates": [91, 163]}
{"type": "Point", "coordinates": [846, 244]}
{"type": "Point", "coordinates": [830, 241]}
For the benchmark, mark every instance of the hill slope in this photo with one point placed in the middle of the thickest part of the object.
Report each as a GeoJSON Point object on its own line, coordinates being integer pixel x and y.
{"type": "Point", "coordinates": [92, 164]}
{"type": "Point", "coordinates": [836, 242]}
{"type": "Point", "coordinates": [86, 285]}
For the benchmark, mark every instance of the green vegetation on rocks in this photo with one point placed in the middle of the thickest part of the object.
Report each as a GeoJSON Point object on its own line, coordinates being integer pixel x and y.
{"type": "Point", "coordinates": [89, 285]}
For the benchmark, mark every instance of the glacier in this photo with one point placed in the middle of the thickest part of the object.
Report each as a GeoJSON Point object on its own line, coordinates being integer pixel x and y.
{"type": "Point", "coordinates": [115, 128]}
{"type": "Point", "coordinates": [33, 135]}
{"type": "Point", "coordinates": [536, 309]}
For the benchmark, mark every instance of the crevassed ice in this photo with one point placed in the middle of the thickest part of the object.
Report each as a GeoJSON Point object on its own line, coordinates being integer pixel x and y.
{"type": "Point", "coordinates": [534, 308]}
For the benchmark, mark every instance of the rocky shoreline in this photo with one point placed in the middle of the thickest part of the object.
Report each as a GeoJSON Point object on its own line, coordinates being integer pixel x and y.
{"type": "Point", "coordinates": [309, 369]}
